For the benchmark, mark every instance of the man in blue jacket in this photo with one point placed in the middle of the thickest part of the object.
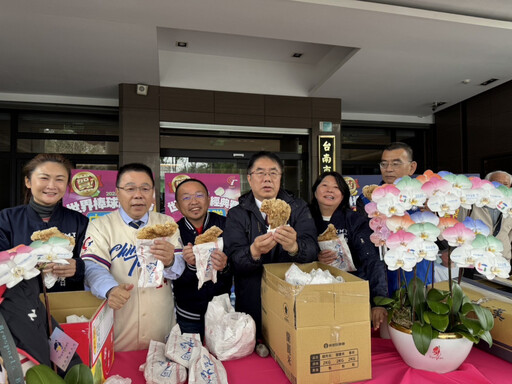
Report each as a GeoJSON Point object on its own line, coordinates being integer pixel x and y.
{"type": "Point", "coordinates": [249, 245]}
{"type": "Point", "coordinates": [396, 162]}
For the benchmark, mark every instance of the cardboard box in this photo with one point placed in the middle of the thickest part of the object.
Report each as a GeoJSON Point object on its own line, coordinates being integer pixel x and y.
{"type": "Point", "coordinates": [501, 309]}
{"type": "Point", "coordinates": [96, 337]}
{"type": "Point", "coordinates": [317, 333]}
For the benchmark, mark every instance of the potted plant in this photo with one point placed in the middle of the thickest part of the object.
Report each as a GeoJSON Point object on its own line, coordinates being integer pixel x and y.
{"type": "Point", "coordinates": [409, 219]}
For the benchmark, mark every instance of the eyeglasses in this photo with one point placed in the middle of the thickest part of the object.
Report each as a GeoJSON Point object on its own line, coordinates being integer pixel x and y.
{"type": "Point", "coordinates": [261, 174]}
{"type": "Point", "coordinates": [393, 164]}
{"type": "Point", "coordinates": [132, 189]}
{"type": "Point", "coordinates": [197, 196]}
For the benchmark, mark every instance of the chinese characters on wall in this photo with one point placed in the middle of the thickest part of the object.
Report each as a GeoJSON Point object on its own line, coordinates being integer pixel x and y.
{"type": "Point", "coordinates": [326, 154]}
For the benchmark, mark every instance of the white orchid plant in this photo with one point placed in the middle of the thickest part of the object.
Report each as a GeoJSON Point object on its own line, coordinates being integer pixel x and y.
{"type": "Point", "coordinates": [26, 262]}
{"type": "Point", "coordinates": [408, 218]}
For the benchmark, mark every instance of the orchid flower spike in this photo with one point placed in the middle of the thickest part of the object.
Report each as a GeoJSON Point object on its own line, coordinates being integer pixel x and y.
{"type": "Point", "coordinates": [400, 258]}
{"type": "Point", "coordinates": [425, 217]}
{"type": "Point", "coordinates": [22, 266]}
{"type": "Point", "coordinates": [477, 226]}
{"type": "Point", "coordinates": [458, 235]}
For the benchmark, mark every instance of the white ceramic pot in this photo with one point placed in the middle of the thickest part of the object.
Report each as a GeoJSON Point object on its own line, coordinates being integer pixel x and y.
{"type": "Point", "coordinates": [445, 354]}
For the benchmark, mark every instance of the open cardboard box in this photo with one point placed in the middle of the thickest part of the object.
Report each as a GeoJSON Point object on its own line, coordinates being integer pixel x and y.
{"type": "Point", "coordinates": [95, 337]}
{"type": "Point", "coordinates": [317, 333]}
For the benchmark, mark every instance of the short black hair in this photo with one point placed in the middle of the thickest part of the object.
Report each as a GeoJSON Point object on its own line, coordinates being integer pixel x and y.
{"type": "Point", "coordinates": [134, 167]}
{"type": "Point", "coordinates": [342, 185]}
{"type": "Point", "coordinates": [401, 145]}
{"type": "Point", "coordinates": [188, 181]}
{"type": "Point", "coordinates": [270, 155]}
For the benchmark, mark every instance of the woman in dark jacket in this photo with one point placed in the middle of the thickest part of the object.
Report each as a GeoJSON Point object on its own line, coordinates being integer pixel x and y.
{"type": "Point", "coordinates": [46, 178]}
{"type": "Point", "coordinates": [330, 205]}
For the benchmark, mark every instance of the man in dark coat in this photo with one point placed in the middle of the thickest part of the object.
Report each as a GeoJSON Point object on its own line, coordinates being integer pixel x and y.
{"type": "Point", "coordinates": [192, 200]}
{"type": "Point", "coordinates": [249, 245]}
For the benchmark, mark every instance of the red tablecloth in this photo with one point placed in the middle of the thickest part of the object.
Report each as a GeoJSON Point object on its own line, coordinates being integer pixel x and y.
{"type": "Point", "coordinates": [387, 367]}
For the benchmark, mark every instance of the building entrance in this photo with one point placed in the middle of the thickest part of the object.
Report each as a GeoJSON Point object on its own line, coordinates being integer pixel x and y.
{"type": "Point", "coordinates": [231, 154]}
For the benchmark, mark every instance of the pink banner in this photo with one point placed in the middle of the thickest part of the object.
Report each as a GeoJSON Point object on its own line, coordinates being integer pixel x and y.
{"type": "Point", "coordinates": [92, 192]}
{"type": "Point", "coordinates": [224, 191]}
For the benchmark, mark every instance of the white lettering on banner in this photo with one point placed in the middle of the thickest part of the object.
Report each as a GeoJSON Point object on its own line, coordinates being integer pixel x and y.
{"type": "Point", "coordinates": [85, 205]}
{"type": "Point", "coordinates": [99, 203]}
{"type": "Point", "coordinates": [112, 202]}
{"type": "Point", "coordinates": [74, 206]}
{"type": "Point", "coordinates": [172, 206]}
{"type": "Point", "coordinates": [96, 203]}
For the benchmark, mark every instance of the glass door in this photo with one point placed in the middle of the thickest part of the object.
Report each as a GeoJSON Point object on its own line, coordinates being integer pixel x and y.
{"type": "Point", "coordinates": [295, 175]}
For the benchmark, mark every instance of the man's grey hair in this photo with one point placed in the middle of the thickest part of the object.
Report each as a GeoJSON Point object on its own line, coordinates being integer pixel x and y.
{"type": "Point", "coordinates": [401, 145]}
{"type": "Point", "coordinates": [491, 174]}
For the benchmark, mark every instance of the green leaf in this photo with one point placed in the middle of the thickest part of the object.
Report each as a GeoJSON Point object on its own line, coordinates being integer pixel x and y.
{"type": "Point", "coordinates": [486, 336]}
{"type": "Point", "coordinates": [439, 308]}
{"type": "Point", "coordinates": [381, 301]}
{"type": "Point", "coordinates": [435, 294]}
{"type": "Point", "coordinates": [43, 374]}
{"type": "Point", "coordinates": [422, 336]}
{"type": "Point", "coordinates": [468, 336]}
{"type": "Point", "coordinates": [485, 317]}
{"type": "Point", "coordinates": [466, 308]}
{"type": "Point", "coordinates": [439, 322]}
{"type": "Point", "coordinates": [473, 325]}
{"type": "Point", "coordinates": [79, 374]}
{"type": "Point", "coordinates": [459, 328]}
{"type": "Point", "coordinates": [426, 318]}
{"type": "Point", "coordinates": [457, 297]}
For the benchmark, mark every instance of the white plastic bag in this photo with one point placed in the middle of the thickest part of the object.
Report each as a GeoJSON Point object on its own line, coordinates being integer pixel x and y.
{"type": "Point", "coordinates": [343, 255]}
{"type": "Point", "coordinates": [152, 269]}
{"type": "Point", "coordinates": [182, 348]}
{"type": "Point", "coordinates": [204, 266]}
{"type": "Point", "coordinates": [295, 276]}
{"type": "Point", "coordinates": [228, 335]}
{"type": "Point", "coordinates": [207, 369]}
{"type": "Point", "coordinates": [160, 370]}
{"type": "Point", "coordinates": [116, 379]}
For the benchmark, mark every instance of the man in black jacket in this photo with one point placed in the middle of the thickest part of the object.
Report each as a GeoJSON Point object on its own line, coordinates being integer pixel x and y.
{"type": "Point", "coordinates": [193, 201]}
{"type": "Point", "coordinates": [249, 245]}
